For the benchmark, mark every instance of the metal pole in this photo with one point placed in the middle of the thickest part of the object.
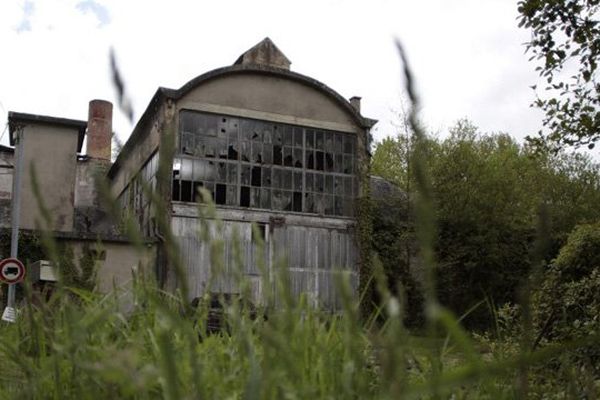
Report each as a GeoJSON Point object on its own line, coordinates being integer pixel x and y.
{"type": "Point", "coordinates": [9, 314]}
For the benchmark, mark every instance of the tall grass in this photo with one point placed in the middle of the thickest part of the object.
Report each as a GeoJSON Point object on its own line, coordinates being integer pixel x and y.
{"type": "Point", "coordinates": [84, 344]}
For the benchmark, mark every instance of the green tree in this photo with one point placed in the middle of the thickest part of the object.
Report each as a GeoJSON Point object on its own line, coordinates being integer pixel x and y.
{"type": "Point", "coordinates": [488, 190]}
{"type": "Point", "coordinates": [565, 40]}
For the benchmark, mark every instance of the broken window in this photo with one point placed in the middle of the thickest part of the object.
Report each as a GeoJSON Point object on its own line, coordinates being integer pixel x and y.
{"type": "Point", "coordinates": [261, 165]}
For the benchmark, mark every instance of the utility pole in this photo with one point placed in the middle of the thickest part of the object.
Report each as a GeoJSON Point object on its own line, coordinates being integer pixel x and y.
{"type": "Point", "coordinates": [10, 314]}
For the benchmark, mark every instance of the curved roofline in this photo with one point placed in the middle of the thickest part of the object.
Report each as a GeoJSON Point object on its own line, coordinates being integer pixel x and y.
{"type": "Point", "coordinates": [165, 93]}
{"type": "Point", "coordinates": [266, 70]}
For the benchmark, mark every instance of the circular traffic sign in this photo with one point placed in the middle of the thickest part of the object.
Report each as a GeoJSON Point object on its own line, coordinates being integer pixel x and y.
{"type": "Point", "coordinates": [11, 270]}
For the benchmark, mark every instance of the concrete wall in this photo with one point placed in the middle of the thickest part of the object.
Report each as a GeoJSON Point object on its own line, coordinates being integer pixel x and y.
{"type": "Point", "coordinates": [268, 98]}
{"type": "Point", "coordinates": [52, 151]}
{"type": "Point", "coordinates": [120, 261]}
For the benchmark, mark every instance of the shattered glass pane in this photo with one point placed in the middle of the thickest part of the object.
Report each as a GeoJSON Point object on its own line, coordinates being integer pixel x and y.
{"type": "Point", "coordinates": [187, 143]}
{"type": "Point", "coordinates": [347, 164]}
{"type": "Point", "coordinates": [309, 182]}
{"type": "Point", "coordinates": [245, 151]}
{"type": "Point", "coordinates": [329, 162]}
{"type": "Point", "coordinates": [338, 206]}
{"type": "Point", "coordinates": [277, 199]}
{"type": "Point", "coordinates": [256, 180]}
{"type": "Point", "coordinates": [298, 181]}
{"type": "Point", "coordinates": [257, 152]}
{"type": "Point", "coordinates": [277, 183]}
{"type": "Point", "coordinates": [319, 141]}
{"type": "Point", "coordinates": [309, 203]}
{"type": "Point", "coordinates": [268, 154]}
{"type": "Point", "coordinates": [310, 139]}
{"type": "Point", "coordinates": [287, 200]}
{"type": "Point", "coordinates": [231, 195]}
{"type": "Point", "coordinates": [320, 160]}
{"type": "Point", "coordinates": [246, 129]}
{"type": "Point", "coordinates": [245, 196]}
{"type": "Point", "coordinates": [277, 156]}
{"type": "Point", "coordinates": [233, 151]}
{"type": "Point", "coordinates": [221, 172]}
{"type": "Point", "coordinates": [297, 201]}
{"type": "Point", "coordinates": [245, 177]}
{"type": "Point", "coordinates": [267, 134]}
{"type": "Point", "coordinates": [232, 171]}
{"type": "Point", "coordinates": [298, 137]}
{"type": "Point", "coordinates": [265, 198]}
{"type": "Point", "coordinates": [338, 186]}
{"type": "Point", "coordinates": [339, 142]}
{"type": "Point", "coordinates": [288, 135]}
{"type": "Point", "coordinates": [277, 136]}
{"type": "Point", "coordinates": [287, 179]}
{"type": "Point", "coordinates": [328, 200]}
{"type": "Point", "coordinates": [255, 198]}
{"type": "Point", "coordinates": [266, 177]}
{"type": "Point", "coordinates": [211, 122]}
{"type": "Point", "coordinates": [298, 158]}
{"type": "Point", "coordinates": [329, 147]}
{"type": "Point", "coordinates": [339, 164]}
{"type": "Point", "coordinates": [222, 148]}
{"type": "Point", "coordinates": [348, 144]}
{"type": "Point", "coordinates": [310, 159]}
{"type": "Point", "coordinates": [288, 160]}
{"type": "Point", "coordinates": [319, 183]}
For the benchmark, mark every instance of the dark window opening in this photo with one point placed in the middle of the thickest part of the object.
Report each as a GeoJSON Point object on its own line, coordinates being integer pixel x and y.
{"type": "Point", "coordinates": [221, 194]}
{"type": "Point", "coordinates": [175, 189]}
{"type": "Point", "coordinates": [329, 162]}
{"type": "Point", "coordinates": [245, 196]}
{"type": "Point", "coordinates": [297, 202]}
{"type": "Point", "coordinates": [320, 160]}
{"type": "Point", "coordinates": [310, 160]}
{"type": "Point", "coordinates": [186, 190]}
{"type": "Point", "coordinates": [233, 153]}
{"type": "Point", "coordinates": [277, 155]}
{"type": "Point", "coordinates": [256, 181]}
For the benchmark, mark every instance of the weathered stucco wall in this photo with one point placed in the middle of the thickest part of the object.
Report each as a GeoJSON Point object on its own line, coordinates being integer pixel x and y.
{"type": "Point", "coordinates": [116, 268]}
{"type": "Point", "coordinates": [50, 151]}
{"type": "Point", "coordinates": [269, 98]}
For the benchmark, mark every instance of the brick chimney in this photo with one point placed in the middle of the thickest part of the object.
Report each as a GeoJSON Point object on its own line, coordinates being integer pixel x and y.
{"type": "Point", "coordinates": [99, 132]}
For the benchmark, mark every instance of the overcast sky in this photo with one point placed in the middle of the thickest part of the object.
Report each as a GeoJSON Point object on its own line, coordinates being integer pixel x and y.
{"type": "Point", "coordinates": [467, 55]}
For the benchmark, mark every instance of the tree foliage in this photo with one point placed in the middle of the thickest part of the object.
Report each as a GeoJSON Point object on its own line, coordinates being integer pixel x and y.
{"type": "Point", "coordinates": [565, 40]}
{"type": "Point", "coordinates": [488, 190]}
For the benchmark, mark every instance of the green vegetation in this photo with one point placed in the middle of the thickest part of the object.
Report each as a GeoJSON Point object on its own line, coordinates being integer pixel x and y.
{"type": "Point", "coordinates": [487, 189]}
{"type": "Point", "coordinates": [565, 41]}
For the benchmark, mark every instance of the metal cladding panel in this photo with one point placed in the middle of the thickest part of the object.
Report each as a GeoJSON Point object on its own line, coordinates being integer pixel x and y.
{"type": "Point", "coordinates": [310, 256]}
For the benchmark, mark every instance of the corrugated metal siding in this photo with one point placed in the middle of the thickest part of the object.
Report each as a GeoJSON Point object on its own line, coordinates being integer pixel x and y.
{"type": "Point", "coordinates": [312, 256]}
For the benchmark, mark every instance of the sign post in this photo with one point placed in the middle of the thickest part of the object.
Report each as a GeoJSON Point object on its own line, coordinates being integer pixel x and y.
{"type": "Point", "coordinates": [12, 271]}
{"type": "Point", "coordinates": [9, 314]}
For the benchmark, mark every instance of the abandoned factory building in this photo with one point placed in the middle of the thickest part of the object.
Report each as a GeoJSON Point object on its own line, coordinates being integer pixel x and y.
{"type": "Point", "coordinates": [274, 149]}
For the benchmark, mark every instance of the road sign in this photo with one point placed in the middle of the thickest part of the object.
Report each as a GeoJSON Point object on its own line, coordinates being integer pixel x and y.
{"type": "Point", "coordinates": [11, 271]}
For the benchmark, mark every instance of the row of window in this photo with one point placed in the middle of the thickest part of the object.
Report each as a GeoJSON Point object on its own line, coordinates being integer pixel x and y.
{"type": "Point", "coordinates": [258, 164]}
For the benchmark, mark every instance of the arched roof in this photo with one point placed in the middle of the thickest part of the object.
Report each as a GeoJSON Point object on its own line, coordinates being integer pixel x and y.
{"type": "Point", "coordinates": [270, 71]}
